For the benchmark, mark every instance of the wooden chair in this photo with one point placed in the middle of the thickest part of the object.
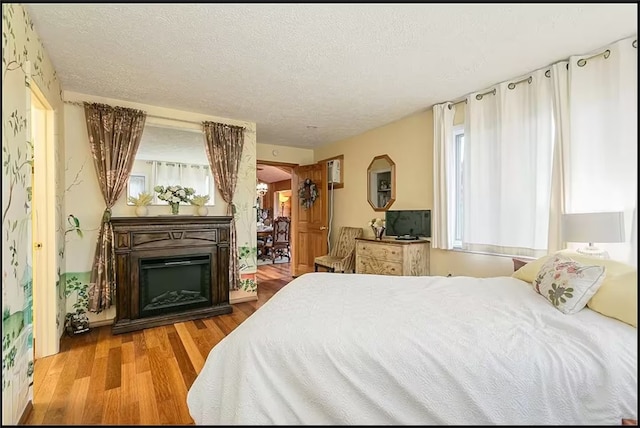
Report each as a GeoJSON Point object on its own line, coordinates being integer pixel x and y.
{"type": "Point", "coordinates": [342, 257]}
{"type": "Point", "coordinates": [280, 245]}
{"type": "Point", "coordinates": [262, 247]}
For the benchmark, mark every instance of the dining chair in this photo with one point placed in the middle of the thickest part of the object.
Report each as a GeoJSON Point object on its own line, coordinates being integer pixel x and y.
{"type": "Point", "coordinates": [342, 257]}
{"type": "Point", "coordinates": [280, 242]}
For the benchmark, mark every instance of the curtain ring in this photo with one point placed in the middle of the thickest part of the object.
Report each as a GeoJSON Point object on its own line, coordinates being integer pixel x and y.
{"type": "Point", "coordinates": [635, 43]}
{"type": "Point", "coordinates": [547, 73]}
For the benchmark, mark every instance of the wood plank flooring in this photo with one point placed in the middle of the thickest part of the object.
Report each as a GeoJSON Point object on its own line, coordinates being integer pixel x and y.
{"type": "Point", "coordinates": [137, 378]}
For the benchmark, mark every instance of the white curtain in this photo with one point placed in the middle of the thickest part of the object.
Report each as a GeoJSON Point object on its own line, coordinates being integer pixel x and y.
{"type": "Point", "coordinates": [443, 230]}
{"type": "Point", "coordinates": [559, 75]}
{"type": "Point", "coordinates": [187, 175]}
{"type": "Point", "coordinates": [599, 160]}
{"type": "Point", "coordinates": [507, 167]}
{"type": "Point", "coordinates": [197, 177]}
{"type": "Point", "coordinates": [167, 174]}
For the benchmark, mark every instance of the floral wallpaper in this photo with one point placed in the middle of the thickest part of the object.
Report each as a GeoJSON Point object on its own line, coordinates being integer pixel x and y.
{"type": "Point", "coordinates": [24, 60]}
{"type": "Point", "coordinates": [245, 201]}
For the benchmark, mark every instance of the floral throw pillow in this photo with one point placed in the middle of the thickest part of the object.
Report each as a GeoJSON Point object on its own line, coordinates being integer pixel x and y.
{"type": "Point", "coordinates": [568, 284]}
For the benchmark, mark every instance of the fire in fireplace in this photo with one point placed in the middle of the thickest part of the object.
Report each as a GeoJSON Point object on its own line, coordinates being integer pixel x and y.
{"type": "Point", "coordinates": [172, 284]}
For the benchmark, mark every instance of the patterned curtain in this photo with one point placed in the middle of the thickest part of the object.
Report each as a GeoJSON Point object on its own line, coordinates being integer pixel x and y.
{"type": "Point", "coordinates": [114, 137]}
{"type": "Point", "coordinates": [224, 144]}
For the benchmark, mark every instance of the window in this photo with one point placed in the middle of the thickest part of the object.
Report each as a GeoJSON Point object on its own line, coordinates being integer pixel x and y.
{"type": "Point", "coordinates": [147, 174]}
{"type": "Point", "coordinates": [458, 154]}
{"type": "Point", "coordinates": [195, 176]}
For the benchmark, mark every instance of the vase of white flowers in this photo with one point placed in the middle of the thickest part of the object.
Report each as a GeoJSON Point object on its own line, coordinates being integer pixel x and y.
{"type": "Point", "coordinates": [378, 227]}
{"type": "Point", "coordinates": [174, 195]}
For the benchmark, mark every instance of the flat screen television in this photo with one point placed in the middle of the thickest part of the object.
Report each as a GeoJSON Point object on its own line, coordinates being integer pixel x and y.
{"type": "Point", "coordinates": [408, 224]}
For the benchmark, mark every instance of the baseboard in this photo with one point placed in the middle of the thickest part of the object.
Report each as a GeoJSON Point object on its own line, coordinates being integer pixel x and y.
{"type": "Point", "coordinates": [102, 323]}
{"type": "Point", "coordinates": [244, 299]}
{"type": "Point", "coordinates": [25, 415]}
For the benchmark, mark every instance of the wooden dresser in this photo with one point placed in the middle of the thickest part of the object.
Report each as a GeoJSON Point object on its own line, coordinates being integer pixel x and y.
{"type": "Point", "coordinates": [392, 257]}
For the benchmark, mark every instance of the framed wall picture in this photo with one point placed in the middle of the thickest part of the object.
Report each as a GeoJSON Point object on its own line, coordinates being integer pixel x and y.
{"type": "Point", "coordinates": [137, 185]}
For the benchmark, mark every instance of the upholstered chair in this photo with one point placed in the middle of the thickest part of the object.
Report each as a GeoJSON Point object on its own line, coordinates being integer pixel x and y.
{"type": "Point", "coordinates": [342, 257]}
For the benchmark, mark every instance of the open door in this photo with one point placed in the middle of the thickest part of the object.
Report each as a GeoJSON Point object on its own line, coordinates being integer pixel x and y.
{"type": "Point", "coordinates": [309, 226]}
{"type": "Point", "coordinates": [45, 299]}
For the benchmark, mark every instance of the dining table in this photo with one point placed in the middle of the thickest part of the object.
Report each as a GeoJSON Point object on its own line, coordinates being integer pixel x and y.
{"type": "Point", "coordinates": [264, 231]}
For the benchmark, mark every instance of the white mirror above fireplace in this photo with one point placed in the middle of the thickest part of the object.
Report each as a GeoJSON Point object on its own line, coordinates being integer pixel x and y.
{"type": "Point", "coordinates": [170, 155]}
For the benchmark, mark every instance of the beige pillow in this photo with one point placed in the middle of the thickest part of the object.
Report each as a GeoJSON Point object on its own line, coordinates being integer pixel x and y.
{"type": "Point", "coordinates": [568, 284]}
{"type": "Point", "coordinates": [617, 297]}
{"type": "Point", "coordinates": [529, 272]}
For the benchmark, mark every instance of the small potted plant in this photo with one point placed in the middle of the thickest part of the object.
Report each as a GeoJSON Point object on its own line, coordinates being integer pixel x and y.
{"type": "Point", "coordinates": [76, 323]}
{"type": "Point", "coordinates": [141, 203]}
{"type": "Point", "coordinates": [200, 201]}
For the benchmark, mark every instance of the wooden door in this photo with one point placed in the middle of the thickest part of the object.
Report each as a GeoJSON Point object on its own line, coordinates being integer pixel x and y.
{"type": "Point", "coordinates": [309, 226]}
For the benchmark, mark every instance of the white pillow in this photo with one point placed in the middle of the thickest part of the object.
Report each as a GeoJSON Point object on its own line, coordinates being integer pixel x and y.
{"type": "Point", "coordinates": [568, 284]}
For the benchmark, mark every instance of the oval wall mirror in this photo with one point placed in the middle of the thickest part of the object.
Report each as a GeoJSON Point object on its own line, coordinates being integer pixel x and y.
{"type": "Point", "coordinates": [381, 183]}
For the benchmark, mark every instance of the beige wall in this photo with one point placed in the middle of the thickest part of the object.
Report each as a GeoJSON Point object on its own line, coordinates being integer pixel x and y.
{"type": "Point", "coordinates": [409, 143]}
{"type": "Point", "coordinates": [265, 152]}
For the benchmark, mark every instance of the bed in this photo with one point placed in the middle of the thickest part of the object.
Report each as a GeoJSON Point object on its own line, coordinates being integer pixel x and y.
{"type": "Point", "coordinates": [369, 349]}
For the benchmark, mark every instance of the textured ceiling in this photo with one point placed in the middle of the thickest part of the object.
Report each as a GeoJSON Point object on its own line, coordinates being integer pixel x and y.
{"type": "Point", "coordinates": [310, 74]}
{"type": "Point", "coordinates": [271, 174]}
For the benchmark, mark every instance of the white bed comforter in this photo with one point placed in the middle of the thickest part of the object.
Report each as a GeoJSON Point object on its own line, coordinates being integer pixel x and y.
{"type": "Point", "coordinates": [365, 349]}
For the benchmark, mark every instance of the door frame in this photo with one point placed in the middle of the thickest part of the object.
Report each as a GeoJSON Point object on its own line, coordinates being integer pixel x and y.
{"type": "Point", "coordinates": [294, 200]}
{"type": "Point", "coordinates": [45, 296]}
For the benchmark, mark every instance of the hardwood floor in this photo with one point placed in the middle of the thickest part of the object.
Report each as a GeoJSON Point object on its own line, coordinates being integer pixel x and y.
{"type": "Point", "coordinates": [138, 378]}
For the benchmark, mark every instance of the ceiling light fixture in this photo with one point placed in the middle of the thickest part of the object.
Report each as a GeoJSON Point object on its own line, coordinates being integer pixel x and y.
{"type": "Point", "coordinates": [262, 188]}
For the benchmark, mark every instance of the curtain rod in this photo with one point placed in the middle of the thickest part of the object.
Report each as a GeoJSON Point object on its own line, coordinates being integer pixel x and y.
{"type": "Point", "coordinates": [81, 104]}
{"type": "Point", "coordinates": [581, 63]}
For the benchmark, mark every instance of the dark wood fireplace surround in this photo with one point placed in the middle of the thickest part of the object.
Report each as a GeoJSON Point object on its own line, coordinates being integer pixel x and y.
{"type": "Point", "coordinates": [138, 238]}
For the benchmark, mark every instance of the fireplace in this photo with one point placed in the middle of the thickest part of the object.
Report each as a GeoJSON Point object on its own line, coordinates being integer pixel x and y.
{"type": "Point", "coordinates": [174, 284]}
{"type": "Point", "coordinates": [170, 269]}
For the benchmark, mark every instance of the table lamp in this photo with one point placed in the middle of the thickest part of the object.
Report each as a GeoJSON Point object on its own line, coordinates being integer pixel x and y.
{"type": "Point", "coordinates": [598, 227]}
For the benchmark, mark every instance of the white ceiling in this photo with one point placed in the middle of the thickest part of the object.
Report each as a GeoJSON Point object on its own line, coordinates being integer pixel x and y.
{"type": "Point", "coordinates": [271, 174]}
{"type": "Point", "coordinates": [343, 68]}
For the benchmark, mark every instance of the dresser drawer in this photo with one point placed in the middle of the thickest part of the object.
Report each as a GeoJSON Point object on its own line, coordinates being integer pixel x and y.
{"type": "Point", "coordinates": [382, 251]}
{"type": "Point", "coordinates": [378, 267]}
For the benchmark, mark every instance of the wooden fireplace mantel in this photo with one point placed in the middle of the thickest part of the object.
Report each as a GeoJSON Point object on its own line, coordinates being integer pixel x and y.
{"type": "Point", "coordinates": [137, 238]}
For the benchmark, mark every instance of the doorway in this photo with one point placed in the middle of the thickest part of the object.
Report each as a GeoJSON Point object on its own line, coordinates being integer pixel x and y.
{"type": "Point", "coordinates": [274, 192]}
{"type": "Point", "coordinates": [43, 214]}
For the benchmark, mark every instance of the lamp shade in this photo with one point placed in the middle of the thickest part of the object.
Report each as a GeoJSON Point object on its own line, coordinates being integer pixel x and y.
{"type": "Point", "coordinates": [593, 227]}
{"type": "Point", "coordinates": [283, 198]}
